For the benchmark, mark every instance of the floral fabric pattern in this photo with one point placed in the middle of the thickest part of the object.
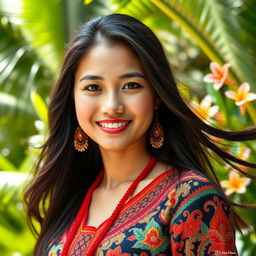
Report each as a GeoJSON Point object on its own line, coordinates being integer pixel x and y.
{"type": "Point", "coordinates": [178, 213]}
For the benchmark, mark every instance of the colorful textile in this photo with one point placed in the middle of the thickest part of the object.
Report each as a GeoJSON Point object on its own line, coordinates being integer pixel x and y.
{"type": "Point", "coordinates": [175, 214]}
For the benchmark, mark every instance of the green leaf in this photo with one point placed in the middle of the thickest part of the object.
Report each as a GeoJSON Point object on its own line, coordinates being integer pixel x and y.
{"type": "Point", "coordinates": [20, 68]}
{"type": "Point", "coordinates": [40, 106]}
{"type": "Point", "coordinates": [43, 25]}
{"type": "Point", "coordinates": [11, 102]}
{"type": "Point", "coordinates": [27, 163]}
{"type": "Point", "coordinates": [88, 1]}
{"type": "Point", "coordinates": [6, 165]}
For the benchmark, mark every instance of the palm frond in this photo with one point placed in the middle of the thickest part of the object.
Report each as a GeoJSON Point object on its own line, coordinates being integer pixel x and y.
{"type": "Point", "coordinates": [218, 27]}
{"type": "Point", "coordinates": [42, 24]}
{"type": "Point", "coordinates": [20, 68]}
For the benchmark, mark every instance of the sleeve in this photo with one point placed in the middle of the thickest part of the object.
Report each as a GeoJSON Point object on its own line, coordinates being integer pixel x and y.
{"type": "Point", "coordinates": [201, 222]}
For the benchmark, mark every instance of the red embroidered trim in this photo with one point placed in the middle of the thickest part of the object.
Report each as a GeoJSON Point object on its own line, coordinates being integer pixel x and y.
{"type": "Point", "coordinates": [94, 244]}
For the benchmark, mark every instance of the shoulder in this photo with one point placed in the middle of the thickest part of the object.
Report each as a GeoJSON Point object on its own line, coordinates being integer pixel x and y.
{"type": "Point", "coordinates": [194, 197]}
{"type": "Point", "coordinates": [195, 190]}
{"type": "Point", "coordinates": [189, 183]}
{"type": "Point", "coordinates": [201, 216]}
{"type": "Point", "coordinates": [188, 189]}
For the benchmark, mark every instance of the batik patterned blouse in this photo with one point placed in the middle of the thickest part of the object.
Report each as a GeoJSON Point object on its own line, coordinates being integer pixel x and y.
{"type": "Point", "coordinates": [178, 213]}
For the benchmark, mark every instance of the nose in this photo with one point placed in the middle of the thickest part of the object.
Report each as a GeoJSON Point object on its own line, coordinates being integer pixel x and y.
{"type": "Point", "coordinates": [112, 105]}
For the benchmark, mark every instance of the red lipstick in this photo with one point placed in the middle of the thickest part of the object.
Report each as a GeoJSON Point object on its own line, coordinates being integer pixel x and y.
{"type": "Point", "coordinates": [113, 126]}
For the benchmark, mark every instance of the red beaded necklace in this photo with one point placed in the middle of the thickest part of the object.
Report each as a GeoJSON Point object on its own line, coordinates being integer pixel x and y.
{"type": "Point", "coordinates": [85, 206]}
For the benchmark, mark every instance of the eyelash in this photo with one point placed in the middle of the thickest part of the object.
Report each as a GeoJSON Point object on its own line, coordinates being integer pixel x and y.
{"type": "Point", "coordinates": [133, 83]}
{"type": "Point", "coordinates": [97, 87]}
{"type": "Point", "coordinates": [91, 90]}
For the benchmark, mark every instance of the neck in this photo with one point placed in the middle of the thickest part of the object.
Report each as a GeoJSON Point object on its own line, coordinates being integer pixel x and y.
{"type": "Point", "coordinates": [121, 167]}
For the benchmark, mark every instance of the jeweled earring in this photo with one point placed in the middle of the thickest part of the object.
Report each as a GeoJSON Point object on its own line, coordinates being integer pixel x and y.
{"type": "Point", "coordinates": [80, 140]}
{"type": "Point", "coordinates": [157, 134]}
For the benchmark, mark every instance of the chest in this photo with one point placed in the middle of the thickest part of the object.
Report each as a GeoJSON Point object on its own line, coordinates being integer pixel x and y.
{"type": "Point", "coordinates": [142, 224]}
{"type": "Point", "coordinates": [103, 202]}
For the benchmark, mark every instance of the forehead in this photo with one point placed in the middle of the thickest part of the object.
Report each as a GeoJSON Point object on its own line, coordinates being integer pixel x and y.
{"type": "Point", "coordinates": [114, 59]}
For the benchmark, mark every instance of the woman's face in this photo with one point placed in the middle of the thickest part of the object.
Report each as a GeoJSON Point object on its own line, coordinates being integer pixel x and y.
{"type": "Point", "coordinates": [113, 99]}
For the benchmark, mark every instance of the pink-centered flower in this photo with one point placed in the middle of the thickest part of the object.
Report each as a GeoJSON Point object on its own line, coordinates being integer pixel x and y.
{"type": "Point", "coordinates": [205, 110]}
{"type": "Point", "coordinates": [235, 183]}
{"type": "Point", "coordinates": [244, 154]}
{"type": "Point", "coordinates": [219, 75]}
{"type": "Point", "coordinates": [241, 96]}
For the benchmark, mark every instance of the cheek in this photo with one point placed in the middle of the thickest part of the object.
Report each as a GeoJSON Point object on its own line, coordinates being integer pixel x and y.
{"type": "Point", "coordinates": [84, 110]}
{"type": "Point", "coordinates": [143, 105]}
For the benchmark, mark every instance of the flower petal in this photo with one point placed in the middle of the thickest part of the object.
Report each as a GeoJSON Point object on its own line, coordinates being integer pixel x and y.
{"type": "Point", "coordinates": [241, 102]}
{"type": "Point", "coordinates": [242, 109]}
{"type": "Point", "coordinates": [218, 85]}
{"type": "Point", "coordinates": [231, 94]}
{"type": "Point", "coordinates": [233, 175]}
{"type": "Point", "coordinates": [245, 153]}
{"type": "Point", "coordinates": [210, 78]}
{"type": "Point", "coordinates": [229, 81]}
{"type": "Point", "coordinates": [224, 183]}
{"type": "Point", "coordinates": [213, 111]}
{"type": "Point", "coordinates": [229, 192]}
{"type": "Point", "coordinates": [246, 181]}
{"type": "Point", "coordinates": [251, 96]}
{"type": "Point", "coordinates": [243, 89]}
{"type": "Point", "coordinates": [241, 190]}
{"type": "Point", "coordinates": [216, 69]}
{"type": "Point", "coordinates": [206, 102]}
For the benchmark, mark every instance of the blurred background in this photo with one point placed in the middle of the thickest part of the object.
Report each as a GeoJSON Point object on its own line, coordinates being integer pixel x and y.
{"type": "Point", "coordinates": [195, 33]}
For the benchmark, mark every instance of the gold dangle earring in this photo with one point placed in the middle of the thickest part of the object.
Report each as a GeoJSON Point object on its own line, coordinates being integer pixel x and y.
{"type": "Point", "coordinates": [157, 134]}
{"type": "Point", "coordinates": [80, 140]}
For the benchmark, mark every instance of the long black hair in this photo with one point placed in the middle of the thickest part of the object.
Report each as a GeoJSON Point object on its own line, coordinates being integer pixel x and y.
{"type": "Point", "coordinates": [63, 175]}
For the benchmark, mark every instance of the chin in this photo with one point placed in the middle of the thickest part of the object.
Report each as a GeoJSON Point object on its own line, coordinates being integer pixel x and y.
{"type": "Point", "coordinates": [113, 148]}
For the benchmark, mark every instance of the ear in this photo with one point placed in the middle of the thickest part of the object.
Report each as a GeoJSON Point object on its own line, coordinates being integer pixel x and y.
{"type": "Point", "coordinates": [157, 103]}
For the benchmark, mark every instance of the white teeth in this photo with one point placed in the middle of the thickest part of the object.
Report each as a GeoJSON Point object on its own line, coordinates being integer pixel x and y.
{"type": "Point", "coordinates": [113, 125]}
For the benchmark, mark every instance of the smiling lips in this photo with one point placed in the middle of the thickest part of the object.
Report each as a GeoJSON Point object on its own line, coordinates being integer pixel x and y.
{"type": "Point", "coordinates": [113, 126]}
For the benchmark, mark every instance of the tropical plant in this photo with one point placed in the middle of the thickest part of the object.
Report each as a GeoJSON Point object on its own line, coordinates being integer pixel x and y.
{"type": "Point", "coordinates": [12, 180]}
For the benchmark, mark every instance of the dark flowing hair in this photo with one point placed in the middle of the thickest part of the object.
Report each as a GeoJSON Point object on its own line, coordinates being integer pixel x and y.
{"type": "Point", "coordinates": [63, 175]}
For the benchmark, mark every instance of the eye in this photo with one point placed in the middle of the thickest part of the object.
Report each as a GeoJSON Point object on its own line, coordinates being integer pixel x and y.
{"type": "Point", "coordinates": [132, 85]}
{"type": "Point", "coordinates": [92, 88]}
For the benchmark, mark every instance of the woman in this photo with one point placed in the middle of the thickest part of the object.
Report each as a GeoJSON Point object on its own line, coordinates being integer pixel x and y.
{"type": "Point", "coordinates": [126, 170]}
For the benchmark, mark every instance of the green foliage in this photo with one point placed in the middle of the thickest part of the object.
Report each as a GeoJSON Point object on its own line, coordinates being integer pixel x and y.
{"type": "Point", "coordinates": [39, 106]}
{"type": "Point", "coordinates": [214, 25]}
{"type": "Point", "coordinates": [15, 236]}
{"type": "Point", "coordinates": [12, 180]}
{"type": "Point", "coordinates": [43, 26]}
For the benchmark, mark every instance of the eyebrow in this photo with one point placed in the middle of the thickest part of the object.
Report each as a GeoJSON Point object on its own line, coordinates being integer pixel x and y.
{"type": "Point", "coordinates": [127, 75]}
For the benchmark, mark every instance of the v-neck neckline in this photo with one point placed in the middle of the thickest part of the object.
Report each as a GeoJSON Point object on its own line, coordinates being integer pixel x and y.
{"type": "Point", "coordinates": [94, 229]}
